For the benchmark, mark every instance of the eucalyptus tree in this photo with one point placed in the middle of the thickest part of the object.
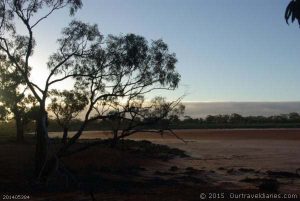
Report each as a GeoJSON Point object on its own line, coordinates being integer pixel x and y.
{"type": "Point", "coordinates": [66, 106]}
{"type": "Point", "coordinates": [113, 70]}
{"type": "Point", "coordinates": [140, 116]}
{"type": "Point", "coordinates": [123, 69]}
{"type": "Point", "coordinates": [16, 104]}
{"type": "Point", "coordinates": [18, 49]}
{"type": "Point", "coordinates": [12, 96]}
{"type": "Point", "coordinates": [116, 77]}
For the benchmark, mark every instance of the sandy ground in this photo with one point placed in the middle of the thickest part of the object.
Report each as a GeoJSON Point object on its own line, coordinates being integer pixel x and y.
{"type": "Point", "coordinates": [270, 149]}
{"type": "Point", "coordinates": [233, 155]}
{"type": "Point", "coordinates": [240, 160]}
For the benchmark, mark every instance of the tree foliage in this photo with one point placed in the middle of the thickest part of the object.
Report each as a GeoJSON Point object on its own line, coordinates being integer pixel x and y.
{"type": "Point", "coordinates": [238, 121]}
{"type": "Point", "coordinates": [115, 71]}
{"type": "Point", "coordinates": [120, 72]}
{"type": "Point", "coordinates": [292, 11]}
{"type": "Point", "coordinates": [3, 113]}
{"type": "Point", "coordinates": [141, 116]}
{"type": "Point", "coordinates": [66, 106]}
{"type": "Point", "coordinates": [12, 96]}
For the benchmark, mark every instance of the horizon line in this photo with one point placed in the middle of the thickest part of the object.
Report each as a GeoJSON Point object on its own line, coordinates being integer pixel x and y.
{"type": "Point", "coordinates": [241, 101]}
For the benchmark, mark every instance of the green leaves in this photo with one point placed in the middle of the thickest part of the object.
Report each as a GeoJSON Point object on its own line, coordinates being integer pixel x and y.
{"type": "Point", "coordinates": [3, 113]}
{"type": "Point", "coordinates": [66, 105]}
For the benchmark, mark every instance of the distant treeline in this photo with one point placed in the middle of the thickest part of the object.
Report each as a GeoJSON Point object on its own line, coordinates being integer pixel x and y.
{"type": "Point", "coordinates": [291, 120]}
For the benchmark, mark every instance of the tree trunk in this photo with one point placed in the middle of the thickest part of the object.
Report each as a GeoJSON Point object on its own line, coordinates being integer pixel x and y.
{"type": "Point", "coordinates": [65, 135]}
{"type": "Point", "coordinates": [19, 127]}
{"type": "Point", "coordinates": [41, 141]}
{"type": "Point", "coordinates": [115, 139]}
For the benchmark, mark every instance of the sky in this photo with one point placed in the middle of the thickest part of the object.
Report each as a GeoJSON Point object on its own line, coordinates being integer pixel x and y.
{"type": "Point", "coordinates": [228, 51]}
{"type": "Point", "coordinates": [203, 109]}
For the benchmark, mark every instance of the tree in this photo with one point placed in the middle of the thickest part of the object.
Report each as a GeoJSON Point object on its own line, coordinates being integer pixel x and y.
{"type": "Point", "coordinates": [235, 118]}
{"type": "Point", "coordinates": [114, 71]}
{"type": "Point", "coordinates": [148, 117]}
{"type": "Point", "coordinates": [11, 83]}
{"type": "Point", "coordinates": [294, 117]}
{"type": "Point", "coordinates": [66, 105]}
{"type": "Point", "coordinates": [121, 72]}
{"type": "Point", "coordinates": [3, 113]}
{"type": "Point", "coordinates": [19, 48]}
{"type": "Point", "coordinates": [292, 11]}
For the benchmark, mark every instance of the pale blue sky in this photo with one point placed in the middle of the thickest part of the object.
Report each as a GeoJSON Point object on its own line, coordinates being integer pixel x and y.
{"type": "Point", "coordinates": [228, 50]}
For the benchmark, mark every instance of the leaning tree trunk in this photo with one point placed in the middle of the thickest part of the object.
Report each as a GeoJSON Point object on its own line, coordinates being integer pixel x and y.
{"type": "Point", "coordinates": [41, 141]}
{"type": "Point", "coordinates": [19, 127]}
{"type": "Point", "coordinates": [52, 164]}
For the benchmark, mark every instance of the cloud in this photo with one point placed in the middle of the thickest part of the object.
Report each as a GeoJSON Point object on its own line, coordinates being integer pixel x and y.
{"type": "Point", "coordinates": [202, 109]}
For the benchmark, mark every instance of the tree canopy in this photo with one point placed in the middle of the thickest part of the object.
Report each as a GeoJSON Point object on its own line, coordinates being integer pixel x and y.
{"type": "Point", "coordinates": [66, 106]}
{"type": "Point", "coordinates": [114, 71]}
